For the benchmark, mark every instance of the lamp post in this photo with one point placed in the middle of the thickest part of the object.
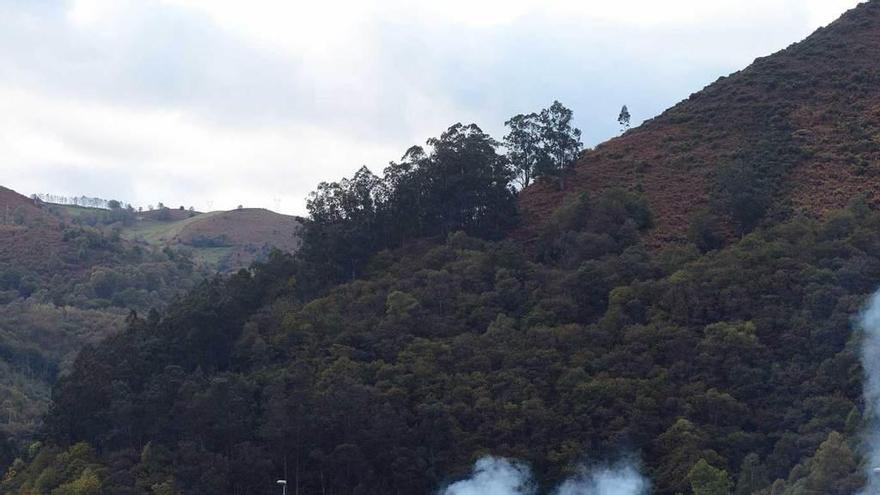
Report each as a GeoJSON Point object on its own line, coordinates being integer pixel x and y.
{"type": "Point", "coordinates": [283, 484]}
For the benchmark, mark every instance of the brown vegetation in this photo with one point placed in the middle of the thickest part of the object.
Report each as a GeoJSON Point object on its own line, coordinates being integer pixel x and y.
{"type": "Point", "coordinates": [820, 97]}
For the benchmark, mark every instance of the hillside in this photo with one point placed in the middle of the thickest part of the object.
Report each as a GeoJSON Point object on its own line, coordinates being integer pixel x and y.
{"type": "Point", "coordinates": [69, 275]}
{"type": "Point", "coordinates": [223, 240]}
{"type": "Point", "coordinates": [25, 225]}
{"type": "Point", "coordinates": [808, 116]}
{"type": "Point", "coordinates": [220, 241]}
{"type": "Point", "coordinates": [420, 328]}
{"type": "Point", "coordinates": [64, 285]}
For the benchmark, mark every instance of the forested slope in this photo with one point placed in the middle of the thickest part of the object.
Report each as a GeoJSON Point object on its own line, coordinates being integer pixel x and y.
{"type": "Point", "coordinates": [447, 346]}
{"type": "Point", "coordinates": [62, 286]}
{"type": "Point", "coordinates": [743, 357]}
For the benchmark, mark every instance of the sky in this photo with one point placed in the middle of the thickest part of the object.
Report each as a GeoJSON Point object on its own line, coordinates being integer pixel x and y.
{"type": "Point", "coordinates": [216, 103]}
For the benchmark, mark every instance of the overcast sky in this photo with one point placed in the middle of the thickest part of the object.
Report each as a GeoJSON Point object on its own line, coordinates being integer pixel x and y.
{"type": "Point", "coordinates": [215, 103]}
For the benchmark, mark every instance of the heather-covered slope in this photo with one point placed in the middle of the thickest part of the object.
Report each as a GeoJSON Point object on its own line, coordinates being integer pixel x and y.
{"type": "Point", "coordinates": [808, 117]}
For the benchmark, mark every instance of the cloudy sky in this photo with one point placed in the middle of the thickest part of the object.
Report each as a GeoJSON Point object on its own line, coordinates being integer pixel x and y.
{"type": "Point", "coordinates": [215, 103]}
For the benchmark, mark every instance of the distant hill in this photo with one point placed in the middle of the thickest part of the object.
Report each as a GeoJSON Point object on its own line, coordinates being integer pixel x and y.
{"type": "Point", "coordinates": [222, 241]}
{"type": "Point", "coordinates": [807, 116]}
{"type": "Point", "coordinates": [69, 275]}
{"type": "Point", "coordinates": [225, 240]}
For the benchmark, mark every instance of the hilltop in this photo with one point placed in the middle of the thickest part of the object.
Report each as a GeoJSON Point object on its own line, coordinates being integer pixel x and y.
{"type": "Point", "coordinates": [808, 117]}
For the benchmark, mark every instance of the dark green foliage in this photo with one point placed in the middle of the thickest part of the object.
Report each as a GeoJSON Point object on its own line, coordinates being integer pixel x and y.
{"type": "Point", "coordinates": [49, 311]}
{"type": "Point", "coordinates": [745, 193]}
{"type": "Point", "coordinates": [746, 185]}
{"type": "Point", "coordinates": [586, 227]}
{"type": "Point", "coordinates": [705, 231]}
{"type": "Point", "coordinates": [461, 184]}
{"type": "Point", "coordinates": [742, 358]}
{"type": "Point", "coordinates": [524, 148]}
{"type": "Point", "coordinates": [7, 451]}
{"type": "Point", "coordinates": [752, 476]}
{"type": "Point", "coordinates": [542, 144]}
{"type": "Point", "coordinates": [707, 480]}
{"type": "Point", "coordinates": [834, 470]}
{"type": "Point", "coordinates": [561, 141]}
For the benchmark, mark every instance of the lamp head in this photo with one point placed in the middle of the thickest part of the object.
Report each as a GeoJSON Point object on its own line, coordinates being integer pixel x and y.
{"type": "Point", "coordinates": [282, 482]}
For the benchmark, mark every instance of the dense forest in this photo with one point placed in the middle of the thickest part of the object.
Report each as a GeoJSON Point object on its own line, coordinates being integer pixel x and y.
{"type": "Point", "coordinates": [415, 332]}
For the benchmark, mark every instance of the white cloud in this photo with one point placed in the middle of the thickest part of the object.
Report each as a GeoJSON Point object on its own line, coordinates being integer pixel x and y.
{"type": "Point", "coordinates": [161, 155]}
{"type": "Point", "coordinates": [228, 102]}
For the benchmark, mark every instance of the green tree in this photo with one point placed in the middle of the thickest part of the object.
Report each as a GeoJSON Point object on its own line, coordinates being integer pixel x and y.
{"type": "Point", "coordinates": [560, 139]}
{"type": "Point", "coordinates": [745, 192]}
{"type": "Point", "coordinates": [833, 470]}
{"type": "Point", "coordinates": [524, 145]}
{"type": "Point", "coordinates": [752, 476]}
{"type": "Point", "coordinates": [705, 231]}
{"type": "Point", "coordinates": [87, 483]}
{"type": "Point", "coordinates": [708, 480]}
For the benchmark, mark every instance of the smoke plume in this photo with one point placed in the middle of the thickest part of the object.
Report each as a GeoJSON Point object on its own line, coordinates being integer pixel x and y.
{"type": "Point", "coordinates": [495, 476]}
{"type": "Point", "coordinates": [620, 479]}
{"type": "Point", "coordinates": [869, 321]}
{"type": "Point", "coordinates": [498, 476]}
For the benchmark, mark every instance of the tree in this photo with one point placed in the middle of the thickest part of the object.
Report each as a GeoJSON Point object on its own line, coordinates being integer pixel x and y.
{"type": "Point", "coordinates": [744, 192]}
{"type": "Point", "coordinates": [752, 476]}
{"type": "Point", "coordinates": [7, 451]}
{"type": "Point", "coordinates": [708, 480]}
{"type": "Point", "coordinates": [705, 231]}
{"type": "Point", "coordinates": [561, 141]}
{"type": "Point", "coordinates": [623, 119]}
{"type": "Point", "coordinates": [542, 144]}
{"type": "Point", "coordinates": [833, 470]}
{"type": "Point", "coordinates": [468, 183]}
{"type": "Point", "coordinates": [525, 150]}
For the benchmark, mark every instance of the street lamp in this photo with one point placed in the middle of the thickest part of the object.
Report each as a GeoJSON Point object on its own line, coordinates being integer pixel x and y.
{"type": "Point", "coordinates": [283, 484]}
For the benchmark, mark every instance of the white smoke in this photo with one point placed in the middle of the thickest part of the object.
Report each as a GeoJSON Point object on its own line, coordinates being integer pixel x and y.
{"type": "Point", "coordinates": [495, 476]}
{"type": "Point", "coordinates": [498, 476]}
{"type": "Point", "coordinates": [869, 321]}
{"type": "Point", "coordinates": [620, 479]}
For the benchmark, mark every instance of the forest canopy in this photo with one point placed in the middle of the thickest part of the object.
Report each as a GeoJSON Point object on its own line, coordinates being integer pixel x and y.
{"type": "Point", "coordinates": [412, 335]}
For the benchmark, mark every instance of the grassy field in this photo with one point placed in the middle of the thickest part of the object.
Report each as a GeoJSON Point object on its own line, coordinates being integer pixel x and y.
{"type": "Point", "coordinates": [221, 240]}
{"type": "Point", "coordinates": [161, 232]}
